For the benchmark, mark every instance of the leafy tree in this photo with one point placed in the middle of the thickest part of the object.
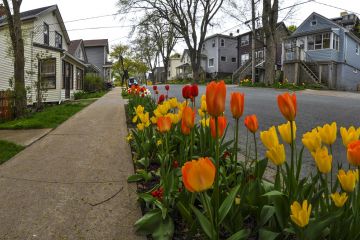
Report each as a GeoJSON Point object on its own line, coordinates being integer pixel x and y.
{"type": "Point", "coordinates": [190, 18]}
{"type": "Point", "coordinates": [17, 42]}
{"type": "Point", "coordinates": [292, 28]}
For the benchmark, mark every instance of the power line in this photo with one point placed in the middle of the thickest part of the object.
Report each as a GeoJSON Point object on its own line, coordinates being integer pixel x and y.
{"type": "Point", "coordinates": [339, 8]}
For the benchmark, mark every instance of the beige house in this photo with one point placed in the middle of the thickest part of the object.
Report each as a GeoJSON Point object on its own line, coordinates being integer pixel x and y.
{"type": "Point", "coordinates": [46, 44]}
{"type": "Point", "coordinates": [174, 62]}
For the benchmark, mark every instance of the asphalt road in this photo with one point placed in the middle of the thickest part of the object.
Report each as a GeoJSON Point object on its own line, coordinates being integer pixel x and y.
{"type": "Point", "coordinates": [315, 108]}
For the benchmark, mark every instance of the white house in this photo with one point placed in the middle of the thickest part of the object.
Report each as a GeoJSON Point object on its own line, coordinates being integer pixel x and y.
{"type": "Point", "coordinates": [46, 44]}
{"type": "Point", "coordinates": [174, 62]}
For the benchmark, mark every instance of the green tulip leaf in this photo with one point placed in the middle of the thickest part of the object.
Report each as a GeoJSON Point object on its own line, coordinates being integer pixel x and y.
{"type": "Point", "coordinates": [266, 213]}
{"type": "Point", "coordinates": [240, 235]}
{"type": "Point", "coordinates": [204, 223]}
{"type": "Point", "coordinates": [149, 222]}
{"type": "Point", "coordinates": [227, 203]}
{"type": "Point", "coordinates": [165, 230]}
{"type": "Point", "coordinates": [135, 178]}
{"type": "Point", "coordinates": [273, 193]}
{"type": "Point", "coordinates": [265, 234]}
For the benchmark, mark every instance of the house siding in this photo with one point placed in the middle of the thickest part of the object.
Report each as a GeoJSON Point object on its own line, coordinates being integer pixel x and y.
{"type": "Point", "coordinates": [211, 52]}
{"type": "Point", "coordinates": [173, 62]}
{"type": "Point", "coordinates": [54, 26]}
{"type": "Point", "coordinates": [229, 51]}
{"type": "Point", "coordinates": [96, 56]}
{"type": "Point", "coordinates": [348, 79]}
{"type": "Point", "coordinates": [351, 57]}
{"type": "Point", "coordinates": [321, 24]}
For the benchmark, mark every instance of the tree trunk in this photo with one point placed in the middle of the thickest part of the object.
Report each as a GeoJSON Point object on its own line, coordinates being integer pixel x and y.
{"type": "Point", "coordinates": [253, 41]}
{"type": "Point", "coordinates": [14, 25]}
{"type": "Point", "coordinates": [195, 57]}
{"type": "Point", "coordinates": [270, 60]}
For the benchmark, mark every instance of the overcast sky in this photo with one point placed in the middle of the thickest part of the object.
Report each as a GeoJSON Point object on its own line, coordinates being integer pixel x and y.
{"type": "Point", "coordinates": [117, 29]}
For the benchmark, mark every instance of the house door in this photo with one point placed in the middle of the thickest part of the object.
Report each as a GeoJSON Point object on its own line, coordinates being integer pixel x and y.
{"type": "Point", "coordinates": [67, 78]}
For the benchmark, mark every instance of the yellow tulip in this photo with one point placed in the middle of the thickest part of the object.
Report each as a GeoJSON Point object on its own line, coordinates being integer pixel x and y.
{"type": "Point", "coordinates": [349, 135]}
{"type": "Point", "coordinates": [276, 154]}
{"type": "Point", "coordinates": [285, 132]}
{"type": "Point", "coordinates": [300, 215]}
{"type": "Point", "coordinates": [269, 138]}
{"type": "Point", "coordinates": [347, 180]}
{"type": "Point", "coordinates": [201, 113]}
{"type": "Point", "coordinates": [153, 119]}
{"type": "Point", "coordinates": [338, 199]}
{"type": "Point", "coordinates": [140, 126]}
{"type": "Point", "coordinates": [328, 133]}
{"type": "Point", "coordinates": [312, 140]}
{"type": "Point", "coordinates": [323, 159]}
{"type": "Point", "coordinates": [205, 122]}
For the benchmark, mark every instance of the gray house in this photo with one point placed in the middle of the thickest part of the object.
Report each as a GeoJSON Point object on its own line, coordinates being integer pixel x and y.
{"type": "Point", "coordinates": [324, 51]}
{"type": "Point", "coordinates": [97, 51]}
{"type": "Point", "coordinates": [221, 52]}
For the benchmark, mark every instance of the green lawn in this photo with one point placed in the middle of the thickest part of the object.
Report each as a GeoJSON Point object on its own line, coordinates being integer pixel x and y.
{"type": "Point", "coordinates": [86, 95]}
{"type": "Point", "coordinates": [8, 150]}
{"type": "Point", "coordinates": [50, 117]}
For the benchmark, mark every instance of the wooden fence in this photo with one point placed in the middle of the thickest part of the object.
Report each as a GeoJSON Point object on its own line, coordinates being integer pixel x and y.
{"type": "Point", "coordinates": [6, 105]}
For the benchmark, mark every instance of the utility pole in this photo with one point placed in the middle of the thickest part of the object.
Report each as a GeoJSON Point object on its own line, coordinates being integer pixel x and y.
{"type": "Point", "coordinates": [253, 62]}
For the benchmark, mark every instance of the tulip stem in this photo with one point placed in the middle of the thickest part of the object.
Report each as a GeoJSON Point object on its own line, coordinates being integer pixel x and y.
{"type": "Point", "coordinates": [236, 145]}
{"type": "Point", "coordinates": [256, 157]}
{"type": "Point", "coordinates": [216, 188]}
{"type": "Point", "coordinates": [292, 147]}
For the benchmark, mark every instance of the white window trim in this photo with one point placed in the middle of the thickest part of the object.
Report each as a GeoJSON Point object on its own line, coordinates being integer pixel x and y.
{"type": "Point", "coordinates": [357, 50]}
{"type": "Point", "coordinates": [222, 40]}
{"type": "Point", "coordinates": [213, 59]}
{"type": "Point", "coordinates": [313, 23]}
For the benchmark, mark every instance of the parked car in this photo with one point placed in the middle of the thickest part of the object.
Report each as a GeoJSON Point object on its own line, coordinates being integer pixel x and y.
{"type": "Point", "coordinates": [133, 81]}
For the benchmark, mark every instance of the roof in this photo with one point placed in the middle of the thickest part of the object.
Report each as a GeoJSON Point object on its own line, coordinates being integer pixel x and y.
{"type": "Point", "coordinates": [96, 42]}
{"type": "Point", "coordinates": [31, 13]}
{"type": "Point", "coordinates": [73, 46]}
{"type": "Point", "coordinates": [220, 35]}
{"type": "Point", "coordinates": [35, 13]}
{"type": "Point", "coordinates": [278, 25]}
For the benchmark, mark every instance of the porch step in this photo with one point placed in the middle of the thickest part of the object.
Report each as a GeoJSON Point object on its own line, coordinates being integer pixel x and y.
{"type": "Point", "coordinates": [311, 73]}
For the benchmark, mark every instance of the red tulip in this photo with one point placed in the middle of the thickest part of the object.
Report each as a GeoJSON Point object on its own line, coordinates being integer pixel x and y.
{"type": "Point", "coordinates": [186, 92]}
{"type": "Point", "coordinates": [220, 129]}
{"type": "Point", "coordinates": [167, 87]}
{"type": "Point", "coordinates": [215, 98]}
{"type": "Point", "coordinates": [154, 87]}
{"type": "Point", "coordinates": [194, 90]}
{"type": "Point", "coordinates": [251, 123]}
{"type": "Point", "coordinates": [164, 124]}
{"type": "Point", "coordinates": [161, 98]}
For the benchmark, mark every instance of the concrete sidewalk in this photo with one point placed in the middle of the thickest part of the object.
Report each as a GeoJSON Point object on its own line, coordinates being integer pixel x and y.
{"type": "Point", "coordinates": [71, 184]}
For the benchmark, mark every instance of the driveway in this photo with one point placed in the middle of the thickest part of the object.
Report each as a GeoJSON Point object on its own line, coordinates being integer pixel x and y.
{"type": "Point", "coordinates": [71, 184]}
{"type": "Point", "coordinates": [314, 108]}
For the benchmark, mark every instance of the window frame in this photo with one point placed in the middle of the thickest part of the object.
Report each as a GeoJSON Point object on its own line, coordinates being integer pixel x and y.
{"type": "Point", "coordinates": [222, 42]}
{"type": "Point", "coordinates": [357, 50]}
{"type": "Point", "coordinates": [81, 80]}
{"type": "Point", "coordinates": [40, 63]}
{"type": "Point", "coordinates": [221, 58]}
{"type": "Point", "coordinates": [246, 41]}
{"type": "Point", "coordinates": [246, 59]}
{"type": "Point", "coordinates": [46, 34]}
{"type": "Point", "coordinates": [57, 34]}
{"type": "Point", "coordinates": [213, 43]}
{"type": "Point", "coordinates": [234, 58]}
{"type": "Point", "coordinates": [313, 23]}
{"type": "Point", "coordinates": [213, 62]}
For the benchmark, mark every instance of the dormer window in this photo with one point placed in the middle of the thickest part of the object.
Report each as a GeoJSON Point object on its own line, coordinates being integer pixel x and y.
{"type": "Point", "coordinates": [213, 43]}
{"type": "Point", "coordinates": [46, 34]}
{"type": "Point", "coordinates": [58, 40]}
{"type": "Point", "coordinates": [313, 23]}
{"type": "Point", "coordinates": [222, 42]}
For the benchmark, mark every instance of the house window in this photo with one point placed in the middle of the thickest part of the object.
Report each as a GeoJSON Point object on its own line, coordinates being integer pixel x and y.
{"type": "Point", "coordinates": [233, 60]}
{"type": "Point", "coordinates": [244, 40]}
{"type": "Point", "coordinates": [68, 74]}
{"type": "Point", "coordinates": [222, 42]}
{"type": "Point", "coordinates": [47, 72]}
{"type": "Point", "coordinates": [58, 40]}
{"type": "Point", "coordinates": [244, 58]}
{"type": "Point", "coordinates": [313, 23]}
{"type": "Point", "coordinates": [79, 78]}
{"type": "Point", "coordinates": [336, 42]}
{"type": "Point", "coordinates": [213, 43]}
{"type": "Point", "coordinates": [319, 41]}
{"type": "Point", "coordinates": [203, 46]}
{"type": "Point", "coordinates": [46, 34]}
{"type": "Point", "coordinates": [223, 58]}
{"type": "Point", "coordinates": [357, 49]}
{"type": "Point", "coordinates": [211, 62]}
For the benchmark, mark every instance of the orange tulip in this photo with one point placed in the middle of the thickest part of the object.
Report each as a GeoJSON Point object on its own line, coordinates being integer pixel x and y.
{"type": "Point", "coordinates": [188, 117]}
{"type": "Point", "coordinates": [353, 152]}
{"type": "Point", "coordinates": [287, 105]}
{"type": "Point", "coordinates": [237, 104]}
{"type": "Point", "coordinates": [198, 175]}
{"type": "Point", "coordinates": [251, 123]}
{"type": "Point", "coordinates": [184, 129]}
{"type": "Point", "coordinates": [221, 127]}
{"type": "Point", "coordinates": [164, 124]}
{"type": "Point", "coordinates": [215, 98]}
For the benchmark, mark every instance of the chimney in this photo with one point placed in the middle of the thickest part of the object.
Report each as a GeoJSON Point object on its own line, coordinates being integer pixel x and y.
{"type": "Point", "coordinates": [2, 11]}
{"type": "Point", "coordinates": [342, 14]}
{"type": "Point", "coordinates": [231, 34]}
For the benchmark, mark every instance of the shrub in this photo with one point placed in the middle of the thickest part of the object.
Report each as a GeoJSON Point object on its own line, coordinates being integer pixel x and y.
{"type": "Point", "coordinates": [93, 83]}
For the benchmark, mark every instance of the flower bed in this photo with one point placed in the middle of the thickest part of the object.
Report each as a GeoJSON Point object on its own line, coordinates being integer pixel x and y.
{"type": "Point", "coordinates": [191, 185]}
